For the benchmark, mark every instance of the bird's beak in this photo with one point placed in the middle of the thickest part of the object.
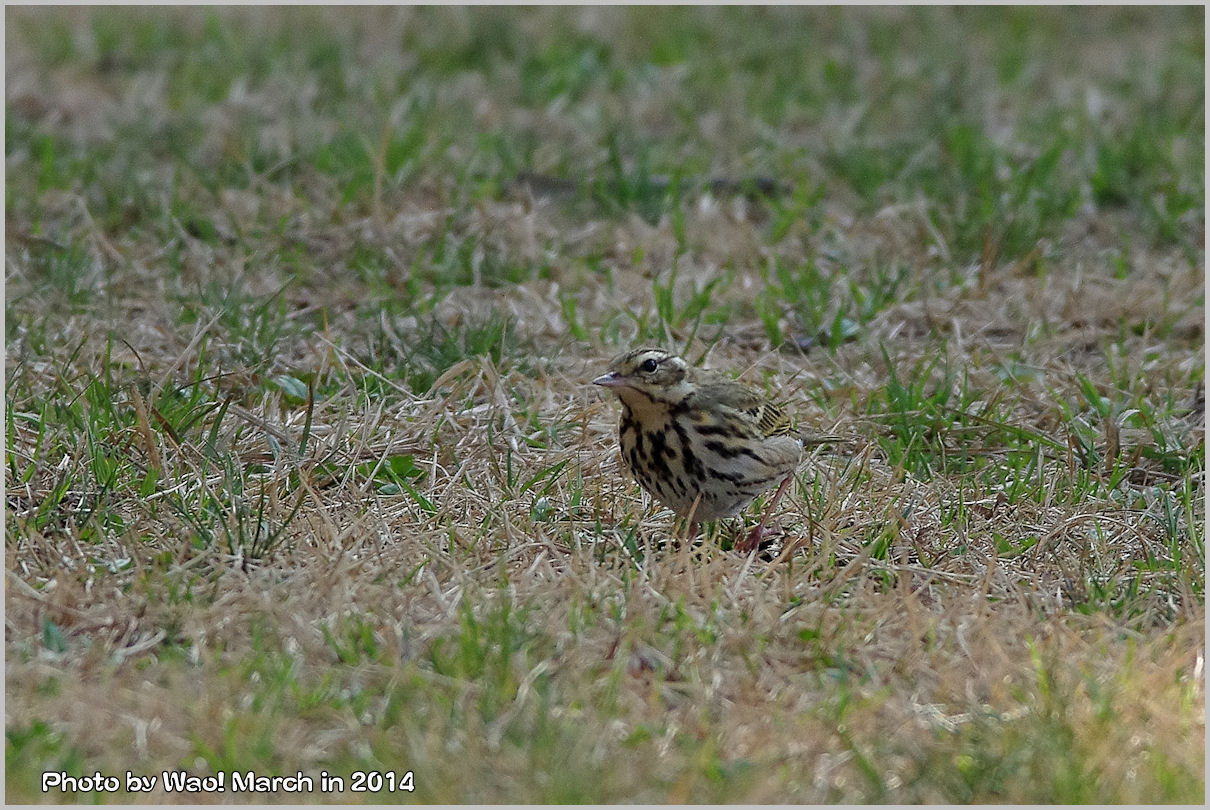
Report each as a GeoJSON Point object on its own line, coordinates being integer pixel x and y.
{"type": "Point", "coordinates": [610, 380]}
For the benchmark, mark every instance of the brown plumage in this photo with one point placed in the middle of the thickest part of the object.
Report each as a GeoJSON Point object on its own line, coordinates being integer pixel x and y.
{"type": "Point", "coordinates": [704, 445]}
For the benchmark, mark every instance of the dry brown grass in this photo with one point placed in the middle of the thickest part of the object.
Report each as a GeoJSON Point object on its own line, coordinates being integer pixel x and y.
{"type": "Point", "coordinates": [534, 636]}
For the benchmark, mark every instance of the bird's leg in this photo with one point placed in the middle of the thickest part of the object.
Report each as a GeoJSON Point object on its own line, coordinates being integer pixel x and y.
{"type": "Point", "coordinates": [690, 523]}
{"type": "Point", "coordinates": [752, 541]}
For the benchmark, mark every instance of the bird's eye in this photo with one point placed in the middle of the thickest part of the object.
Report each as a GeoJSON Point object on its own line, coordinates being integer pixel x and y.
{"type": "Point", "coordinates": [648, 365]}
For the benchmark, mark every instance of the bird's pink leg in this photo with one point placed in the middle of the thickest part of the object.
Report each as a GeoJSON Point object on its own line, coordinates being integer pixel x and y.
{"type": "Point", "coordinates": [691, 523]}
{"type": "Point", "coordinates": [752, 541]}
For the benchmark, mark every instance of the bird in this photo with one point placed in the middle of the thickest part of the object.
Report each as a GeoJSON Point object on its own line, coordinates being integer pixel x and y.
{"type": "Point", "coordinates": [701, 443]}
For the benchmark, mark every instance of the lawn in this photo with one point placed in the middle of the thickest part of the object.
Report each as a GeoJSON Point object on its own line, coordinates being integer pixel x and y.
{"type": "Point", "coordinates": [305, 476]}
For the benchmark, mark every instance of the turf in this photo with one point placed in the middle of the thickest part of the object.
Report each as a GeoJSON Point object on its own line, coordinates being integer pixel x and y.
{"type": "Point", "coordinates": [304, 473]}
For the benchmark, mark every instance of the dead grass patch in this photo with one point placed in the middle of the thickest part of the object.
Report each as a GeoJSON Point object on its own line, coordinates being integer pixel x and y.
{"type": "Point", "coordinates": [304, 471]}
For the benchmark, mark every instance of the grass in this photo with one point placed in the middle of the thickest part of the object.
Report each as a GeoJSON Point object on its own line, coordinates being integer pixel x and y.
{"type": "Point", "coordinates": [303, 472]}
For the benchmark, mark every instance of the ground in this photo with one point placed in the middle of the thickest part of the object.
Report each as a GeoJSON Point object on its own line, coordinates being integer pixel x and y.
{"type": "Point", "coordinates": [305, 473]}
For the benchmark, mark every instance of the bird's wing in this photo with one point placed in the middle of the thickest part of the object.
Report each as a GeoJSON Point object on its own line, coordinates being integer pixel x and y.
{"type": "Point", "coordinates": [770, 418]}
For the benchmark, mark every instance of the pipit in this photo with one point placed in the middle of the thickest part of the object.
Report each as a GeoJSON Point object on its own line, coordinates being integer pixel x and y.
{"type": "Point", "coordinates": [704, 445]}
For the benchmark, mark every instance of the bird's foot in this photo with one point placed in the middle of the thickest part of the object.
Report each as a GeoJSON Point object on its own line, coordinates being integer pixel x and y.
{"type": "Point", "coordinates": [753, 540]}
